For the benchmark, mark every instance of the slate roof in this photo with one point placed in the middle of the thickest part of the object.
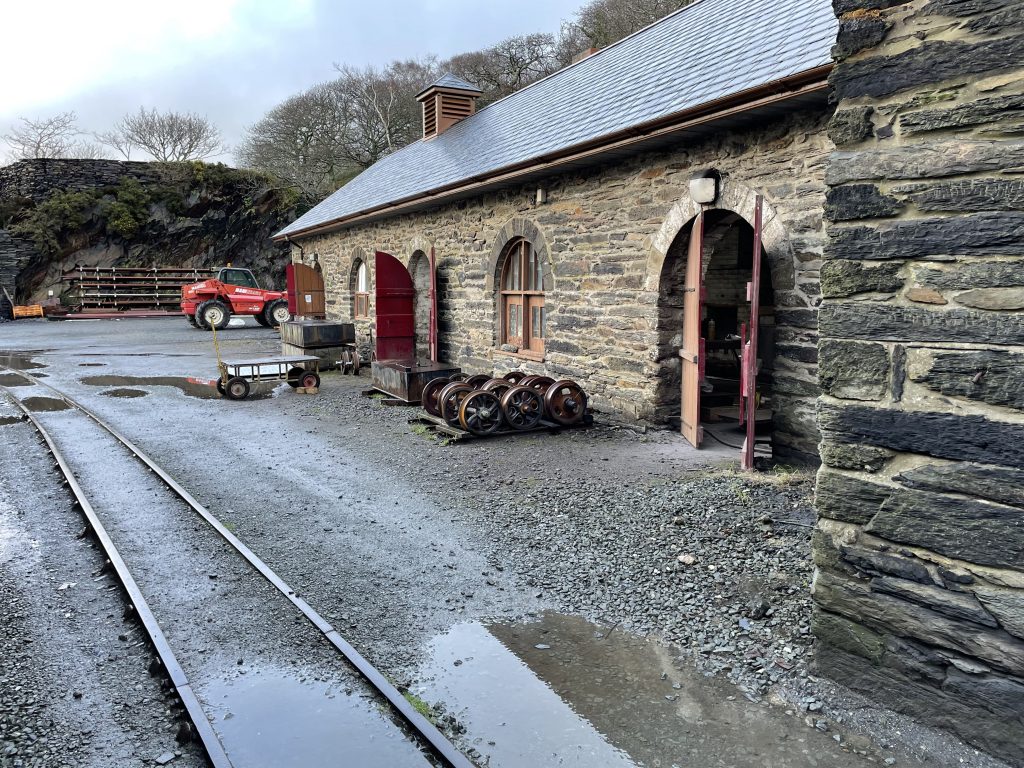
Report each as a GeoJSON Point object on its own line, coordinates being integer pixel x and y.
{"type": "Point", "coordinates": [706, 51]}
{"type": "Point", "coordinates": [448, 80]}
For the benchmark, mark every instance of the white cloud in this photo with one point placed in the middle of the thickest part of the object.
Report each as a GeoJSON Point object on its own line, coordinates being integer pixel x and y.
{"type": "Point", "coordinates": [55, 50]}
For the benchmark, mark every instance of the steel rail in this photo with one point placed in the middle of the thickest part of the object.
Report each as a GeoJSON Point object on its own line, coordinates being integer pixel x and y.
{"type": "Point", "coordinates": [207, 736]}
{"type": "Point", "coordinates": [371, 674]}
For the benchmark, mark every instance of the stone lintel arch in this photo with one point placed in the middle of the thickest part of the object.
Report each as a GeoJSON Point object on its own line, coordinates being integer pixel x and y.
{"type": "Point", "coordinates": [514, 228]}
{"type": "Point", "coordinates": [417, 243]}
{"type": "Point", "coordinates": [357, 255]}
{"type": "Point", "coordinates": [740, 199]}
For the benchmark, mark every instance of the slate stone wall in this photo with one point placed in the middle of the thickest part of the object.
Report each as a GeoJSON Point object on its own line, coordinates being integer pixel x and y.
{"type": "Point", "coordinates": [606, 234]}
{"type": "Point", "coordinates": [36, 179]}
{"type": "Point", "coordinates": [919, 546]}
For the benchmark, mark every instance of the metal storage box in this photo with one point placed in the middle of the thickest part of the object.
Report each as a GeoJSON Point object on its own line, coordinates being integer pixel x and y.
{"type": "Point", "coordinates": [404, 379]}
{"type": "Point", "coordinates": [310, 334]}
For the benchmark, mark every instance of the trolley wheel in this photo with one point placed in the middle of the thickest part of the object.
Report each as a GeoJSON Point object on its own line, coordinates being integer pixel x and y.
{"type": "Point", "coordinates": [276, 312]}
{"type": "Point", "coordinates": [450, 401]}
{"type": "Point", "coordinates": [431, 391]}
{"type": "Point", "coordinates": [237, 388]}
{"type": "Point", "coordinates": [480, 413]}
{"type": "Point", "coordinates": [523, 407]}
{"type": "Point", "coordinates": [540, 383]}
{"type": "Point", "coordinates": [498, 386]}
{"type": "Point", "coordinates": [213, 313]}
{"type": "Point", "coordinates": [356, 361]}
{"type": "Point", "coordinates": [478, 380]}
{"type": "Point", "coordinates": [309, 380]}
{"type": "Point", "coordinates": [459, 376]}
{"type": "Point", "coordinates": [295, 376]}
{"type": "Point", "coordinates": [566, 402]}
{"type": "Point", "coordinates": [516, 377]}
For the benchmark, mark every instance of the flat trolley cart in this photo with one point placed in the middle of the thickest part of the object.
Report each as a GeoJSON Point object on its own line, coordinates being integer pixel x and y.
{"type": "Point", "coordinates": [238, 376]}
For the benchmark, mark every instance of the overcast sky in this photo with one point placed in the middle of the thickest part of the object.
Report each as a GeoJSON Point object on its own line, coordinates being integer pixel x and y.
{"type": "Point", "coordinates": [230, 60]}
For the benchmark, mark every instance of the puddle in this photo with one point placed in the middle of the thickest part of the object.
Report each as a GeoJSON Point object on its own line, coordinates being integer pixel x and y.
{"type": "Point", "coordinates": [573, 694]}
{"type": "Point", "coordinates": [272, 719]}
{"type": "Point", "coordinates": [124, 392]}
{"type": "Point", "coordinates": [91, 365]}
{"type": "Point", "coordinates": [13, 380]}
{"type": "Point", "coordinates": [20, 361]}
{"type": "Point", "coordinates": [192, 387]}
{"type": "Point", "coordinates": [39, 404]}
{"type": "Point", "coordinates": [5, 420]}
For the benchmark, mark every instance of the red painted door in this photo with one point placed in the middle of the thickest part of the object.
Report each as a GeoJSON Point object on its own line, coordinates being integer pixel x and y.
{"type": "Point", "coordinates": [432, 338]}
{"type": "Point", "coordinates": [395, 318]}
{"type": "Point", "coordinates": [748, 363]}
{"type": "Point", "coordinates": [692, 353]}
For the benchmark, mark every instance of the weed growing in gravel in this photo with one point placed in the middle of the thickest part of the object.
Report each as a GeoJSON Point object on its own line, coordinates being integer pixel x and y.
{"type": "Point", "coordinates": [419, 705]}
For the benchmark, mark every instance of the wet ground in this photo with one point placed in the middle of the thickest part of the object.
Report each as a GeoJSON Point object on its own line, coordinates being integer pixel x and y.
{"type": "Point", "coordinates": [509, 585]}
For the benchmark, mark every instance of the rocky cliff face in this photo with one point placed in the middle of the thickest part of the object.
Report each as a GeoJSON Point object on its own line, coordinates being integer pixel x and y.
{"type": "Point", "coordinates": [58, 213]}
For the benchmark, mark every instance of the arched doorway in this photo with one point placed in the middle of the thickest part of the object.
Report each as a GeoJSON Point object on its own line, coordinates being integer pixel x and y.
{"type": "Point", "coordinates": [419, 270]}
{"type": "Point", "coordinates": [727, 259]}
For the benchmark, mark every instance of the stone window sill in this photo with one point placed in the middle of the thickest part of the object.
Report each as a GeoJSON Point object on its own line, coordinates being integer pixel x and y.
{"type": "Point", "coordinates": [536, 357]}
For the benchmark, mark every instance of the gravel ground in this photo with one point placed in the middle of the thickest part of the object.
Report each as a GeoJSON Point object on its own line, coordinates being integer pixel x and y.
{"type": "Point", "coordinates": [396, 536]}
{"type": "Point", "coordinates": [72, 692]}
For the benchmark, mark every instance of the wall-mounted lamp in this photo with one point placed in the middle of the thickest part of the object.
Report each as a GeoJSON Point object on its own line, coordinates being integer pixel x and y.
{"type": "Point", "coordinates": [704, 187]}
{"type": "Point", "coordinates": [542, 195]}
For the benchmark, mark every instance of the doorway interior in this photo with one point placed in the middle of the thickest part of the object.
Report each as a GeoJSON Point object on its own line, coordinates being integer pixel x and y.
{"type": "Point", "coordinates": [727, 260]}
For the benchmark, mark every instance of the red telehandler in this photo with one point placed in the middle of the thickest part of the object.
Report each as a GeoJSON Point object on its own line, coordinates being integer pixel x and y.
{"type": "Point", "coordinates": [233, 292]}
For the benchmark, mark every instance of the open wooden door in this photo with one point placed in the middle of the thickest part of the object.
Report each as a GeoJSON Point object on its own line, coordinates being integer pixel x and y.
{"type": "Point", "coordinates": [432, 337]}
{"type": "Point", "coordinates": [395, 315]}
{"type": "Point", "coordinates": [305, 288]}
{"type": "Point", "coordinates": [748, 361]}
{"type": "Point", "coordinates": [692, 353]}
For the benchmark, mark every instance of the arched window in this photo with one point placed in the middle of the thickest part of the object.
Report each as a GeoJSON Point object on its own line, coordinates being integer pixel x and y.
{"type": "Point", "coordinates": [524, 319]}
{"type": "Point", "coordinates": [361, 303]}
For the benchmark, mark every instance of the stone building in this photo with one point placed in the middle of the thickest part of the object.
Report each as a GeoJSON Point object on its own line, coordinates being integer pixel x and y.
{"type": "Point", "coordinates": [887, 148]}
{"type": "Point", "coordinates": [589, 170]}
{"type": "Point", "coordinates": [920, 542]}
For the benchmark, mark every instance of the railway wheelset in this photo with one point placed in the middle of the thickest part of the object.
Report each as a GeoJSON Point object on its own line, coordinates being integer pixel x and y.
{"type": "Point", "coordinates": [516, 402]}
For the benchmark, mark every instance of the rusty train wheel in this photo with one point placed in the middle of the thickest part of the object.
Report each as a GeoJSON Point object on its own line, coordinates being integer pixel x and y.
{"type": "Point", "coordinates": [539, 383]}
{"type": "Point", "coordinates": [458, 376]}
{"type": "Point", "coordinates": [523, 407]}
{"type": "Point", "coordinates": [480, 413]}
{"type": "Point", "coordinates": [431, 390]}
{"type": "Point", "coordinates": [478, 380]}
{"type": "Point", "coordinates": [566, 402]}
{"type": "Point", "coordinates": [497, 386]}
{"type": "Point", "coordinates": [515, 377]}
{"type": "Point", "coordinates": [450, 401]}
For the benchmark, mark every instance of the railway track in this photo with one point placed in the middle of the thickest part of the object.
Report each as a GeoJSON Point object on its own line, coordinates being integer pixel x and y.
{"type": "Point", "coordinates": [427, 738]}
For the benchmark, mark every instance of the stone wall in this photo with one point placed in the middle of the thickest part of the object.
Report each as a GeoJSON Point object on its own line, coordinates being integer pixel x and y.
{"type": "Point", "coordinates": [36, 179]}
{"type": "Point", "coordinates": [920, 543]}
{"type": "Point", "coordinates": [184, 214]}
{"type": "Point", "coordinates": [607, 234]}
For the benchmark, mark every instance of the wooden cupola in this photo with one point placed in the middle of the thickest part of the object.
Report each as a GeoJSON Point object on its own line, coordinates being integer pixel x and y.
{"type": "Point", "coordinates": [447, 101]}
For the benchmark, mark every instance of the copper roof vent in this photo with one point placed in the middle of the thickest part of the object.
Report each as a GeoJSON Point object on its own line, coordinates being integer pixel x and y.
{"type": "Point", "coordinates": [445, 103]}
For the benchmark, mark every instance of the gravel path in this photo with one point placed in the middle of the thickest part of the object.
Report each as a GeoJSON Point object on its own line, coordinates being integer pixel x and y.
{"type": "Point", "coordinates": [74, 690]}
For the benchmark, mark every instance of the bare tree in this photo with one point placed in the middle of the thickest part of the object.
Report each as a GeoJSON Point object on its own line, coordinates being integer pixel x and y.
{"type": "Point", "coordinates": [600, 23]}
{"type": "Point", "coordinates": [43, 137]}
{"type": "Point", "coordinates": [117, 141]}
{"type": "Point", "coordinates": [87, 150]}
{"type": "Point", "coordinates": [513, 63]}
{"type": "Point", "coordinates": [383, 114]}
{"type": "Point", "coordinates": [171, 136]}
{"type": "Point", "coordinates": [301, 142]}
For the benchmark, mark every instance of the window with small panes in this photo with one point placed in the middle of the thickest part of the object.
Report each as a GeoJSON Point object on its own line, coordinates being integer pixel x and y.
{"type": "Point", "coordinates": [524, 317]}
